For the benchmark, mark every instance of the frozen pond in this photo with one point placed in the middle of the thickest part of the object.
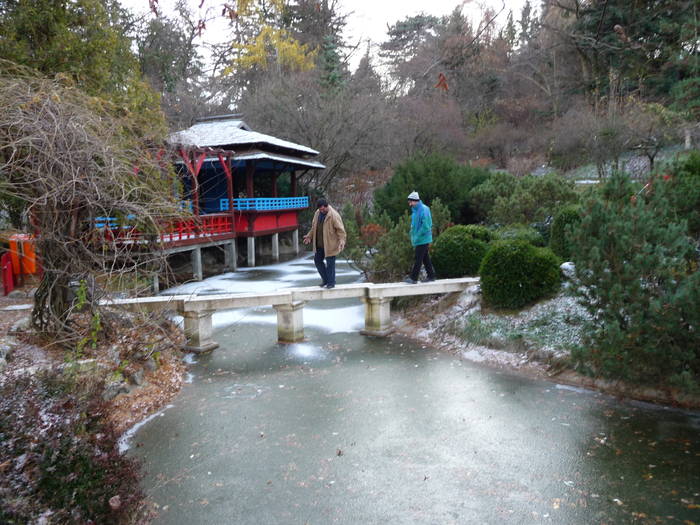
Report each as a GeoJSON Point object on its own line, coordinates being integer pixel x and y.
{"type": "Point", "coordinates": [348, 429]}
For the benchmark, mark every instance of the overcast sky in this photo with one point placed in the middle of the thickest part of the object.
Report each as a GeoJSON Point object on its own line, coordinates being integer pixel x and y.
{"type": "Point", "coordinates": [368, 19]}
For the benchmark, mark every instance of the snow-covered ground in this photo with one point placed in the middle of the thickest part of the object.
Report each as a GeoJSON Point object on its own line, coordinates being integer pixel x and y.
{"type": "Point", "coordinates": [537, 337]}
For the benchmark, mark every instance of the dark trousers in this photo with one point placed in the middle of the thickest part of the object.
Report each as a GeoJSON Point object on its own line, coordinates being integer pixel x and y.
{"type": "Point", "coordinates": [422, 258]}
{"type": "Point", "coordinates": [327, 270]}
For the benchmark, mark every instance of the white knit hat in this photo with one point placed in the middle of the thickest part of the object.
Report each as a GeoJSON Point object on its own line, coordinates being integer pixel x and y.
{"type": "Point", "coordinates": [413, 196]}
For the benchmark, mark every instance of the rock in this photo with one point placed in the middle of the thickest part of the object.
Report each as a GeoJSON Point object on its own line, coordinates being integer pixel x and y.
{"type": "Point", "coordinates": [5, 351]}
{"type": "Point", "coordinates": [113, 354]}
{"type": "Point", "coordinates": [137, 377]}
{"type": "Point", "coordinates": [112, 390]}
{"type": "Point", "coordinates": [21, 325]}
{"type": "Point", "coordinates": [151, 365]}
{"type": "Point", "coordinates": [568, 269]}
{"type": "Point", "coordinates": [45, 518]}
{"type": "Point", "coordinates": [115, 502]}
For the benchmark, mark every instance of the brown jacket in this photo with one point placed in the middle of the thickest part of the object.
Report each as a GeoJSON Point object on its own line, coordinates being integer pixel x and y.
{"type": "Point", "coordinates": [333, 232]}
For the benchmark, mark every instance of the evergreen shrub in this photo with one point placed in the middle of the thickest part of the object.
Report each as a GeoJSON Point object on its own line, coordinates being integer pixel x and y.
{"type": "Point", "coordinates": [507, 199]}
{"type": "Point", "coordinates": [432, 176]}
{"type": "Point", "coordinates": [457, 252]}
{"type": "Point", "coordinates": [364, 231]}
{"type": "Point", "coordinates": [480, 232]}
{"type": "Point", "coordinates": [638, 278]}
{"type": "Point", "coordinates": [516, 273]}
{"type": "Point", "coordinates": [564, 221]}
{"type": "Point", "coordinates": [520, 232]}
{"type": "Point", "coordinates": [682, 187]}
{"type": "Point", "coordinates": [394, 253]}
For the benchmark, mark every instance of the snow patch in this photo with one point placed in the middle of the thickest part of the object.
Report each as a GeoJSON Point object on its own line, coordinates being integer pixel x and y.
{"type": "Point", "coordinates": [577, 389]}
{"type": "Point", "coordinates": [124, 441]}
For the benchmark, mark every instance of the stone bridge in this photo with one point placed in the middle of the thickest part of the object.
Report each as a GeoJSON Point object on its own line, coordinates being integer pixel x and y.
{"type": "Point", "coordinates": [289, 303]}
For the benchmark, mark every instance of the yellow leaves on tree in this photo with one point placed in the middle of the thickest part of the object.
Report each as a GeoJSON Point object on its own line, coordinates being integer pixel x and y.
{"type": "Point", "coordinates": [250, 7]}
{"type": "Point", "coordinates": [272, 46]}
{"type": "Point", "coordinates": [264, 42]}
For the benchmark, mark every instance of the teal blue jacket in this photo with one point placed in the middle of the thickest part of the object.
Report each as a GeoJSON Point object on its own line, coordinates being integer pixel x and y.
{"type": "Point", "coordinates": [421, 225]}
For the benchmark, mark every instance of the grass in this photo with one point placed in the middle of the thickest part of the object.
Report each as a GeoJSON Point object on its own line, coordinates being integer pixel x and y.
{"type": "Point", "coordinates": [553, 325]}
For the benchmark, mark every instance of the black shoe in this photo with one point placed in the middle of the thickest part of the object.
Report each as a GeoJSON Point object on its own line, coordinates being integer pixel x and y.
{"type": "Point", "coordinates": [409, 280]}
{"type": "Point", "coordinates": [428, 279]}
{"type": "Point", "coordinates": [323, 285]}
{"type": "Point", "coordinates": [329, 286]}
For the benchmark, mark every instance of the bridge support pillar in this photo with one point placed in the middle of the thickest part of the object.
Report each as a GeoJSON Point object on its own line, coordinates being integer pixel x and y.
{"type": "Point", "coordinates": [230, 255]}
{"type": "Point", "coordinates": [276, 247]}
{"type": "Point", "coordinates": [377, 316]}
{"type": "Point", "coordinates": [290, 322]}
{"type": "Point", "coordinates": [197, 264]}
{"type": "Point", "coordinates": [198, 331]}
{"type": "Point", "coordinates": [295, 241]}
{"type": "Point", "coordinates": [251, 252]}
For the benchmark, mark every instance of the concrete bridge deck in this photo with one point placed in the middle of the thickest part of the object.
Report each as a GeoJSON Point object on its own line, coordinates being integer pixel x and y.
{"type": "Point", "coordinates": [289, 304]}
{"type": "Point", "coordinates": [197, 310]}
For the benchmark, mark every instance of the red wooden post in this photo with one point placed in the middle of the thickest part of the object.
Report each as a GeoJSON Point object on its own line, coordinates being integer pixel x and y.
{"type": "Point", "coordinates": [229, 178]}
{"type": "Point", "coordinates": [193, 166]}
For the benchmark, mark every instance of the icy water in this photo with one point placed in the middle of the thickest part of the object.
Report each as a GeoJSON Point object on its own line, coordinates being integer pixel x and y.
{"type": "Point", "coordinates": [354, 430]}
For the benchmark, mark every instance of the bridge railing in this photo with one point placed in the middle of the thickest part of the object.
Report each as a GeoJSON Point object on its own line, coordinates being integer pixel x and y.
{"type": "Point", "coordinates": [265, 204]}
{"type": "Point", "coordinates": [203, 226]}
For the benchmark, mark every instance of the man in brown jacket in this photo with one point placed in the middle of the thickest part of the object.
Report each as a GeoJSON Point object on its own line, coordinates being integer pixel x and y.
{"type": "Point", "coordinates": [328, 237]}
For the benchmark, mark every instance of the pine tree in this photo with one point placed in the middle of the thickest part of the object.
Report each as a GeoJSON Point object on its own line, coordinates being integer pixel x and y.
{"type": "Point", "coordinates": [639, 281]}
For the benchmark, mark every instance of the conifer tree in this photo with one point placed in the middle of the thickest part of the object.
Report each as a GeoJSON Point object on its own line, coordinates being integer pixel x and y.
{"type": "Point", "coordinates": [638, 278]}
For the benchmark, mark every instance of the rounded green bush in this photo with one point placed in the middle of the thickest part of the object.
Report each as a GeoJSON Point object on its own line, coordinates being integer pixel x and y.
{"type": "Point", "coordinates": [516, 273]}
{"type": "Point", "coordinates": [457, 253]}
{"type": "Point", "coordinates": [567, 216]}
{"type": "Point", "coordinates": [481, 233]}
{"type": "Point", "coordinates": [519, 232]}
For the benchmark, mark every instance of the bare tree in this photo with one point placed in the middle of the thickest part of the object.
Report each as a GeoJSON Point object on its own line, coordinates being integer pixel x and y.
{"type": "Point", "coordinates": [349, 125]}
{"type": "Point", "coordinates": [71, 159]}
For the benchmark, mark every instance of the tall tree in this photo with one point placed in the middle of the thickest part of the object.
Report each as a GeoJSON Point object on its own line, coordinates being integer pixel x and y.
{"type": "Point", "coordinates": [80, 38]}
{"type": "Point", "coordinates": [86, 41]}
{"type": "Point", "coordinates": [639, 46]}
{"type": "Point", "coordinates": [169, 53]}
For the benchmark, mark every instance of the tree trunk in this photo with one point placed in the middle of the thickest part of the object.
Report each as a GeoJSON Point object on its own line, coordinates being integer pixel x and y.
{"type": "Point", "coordinates": [52, 303]}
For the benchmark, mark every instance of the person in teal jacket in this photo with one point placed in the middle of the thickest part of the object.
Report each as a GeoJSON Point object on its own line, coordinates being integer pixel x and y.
{"type": "Point", "coordinates": [421, 237]}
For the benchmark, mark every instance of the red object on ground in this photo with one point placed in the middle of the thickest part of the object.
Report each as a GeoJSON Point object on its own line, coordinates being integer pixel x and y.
{"type": "Point", "coordinates": [23, 254]}
{"type": "Point", "coordinates": [8, 283]}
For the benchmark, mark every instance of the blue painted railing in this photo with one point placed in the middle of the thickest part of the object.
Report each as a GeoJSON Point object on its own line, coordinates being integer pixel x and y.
{"type": "Point", "coordinates": [265, 204]}
{"type": "Point", "coordinates": [112, 222]}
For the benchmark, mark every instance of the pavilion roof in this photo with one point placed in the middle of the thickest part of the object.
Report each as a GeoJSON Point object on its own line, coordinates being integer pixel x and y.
{"type": "Point", "coordinates": [273, 157]}
{"type": "Point", "coordinates": [230, 131]}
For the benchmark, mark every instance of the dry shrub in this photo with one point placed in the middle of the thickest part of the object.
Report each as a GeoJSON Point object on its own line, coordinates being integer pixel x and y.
{"type": "Point", "coordinates": [524, 165]}
{"type": "Point", "coordinates": [70, 158]}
